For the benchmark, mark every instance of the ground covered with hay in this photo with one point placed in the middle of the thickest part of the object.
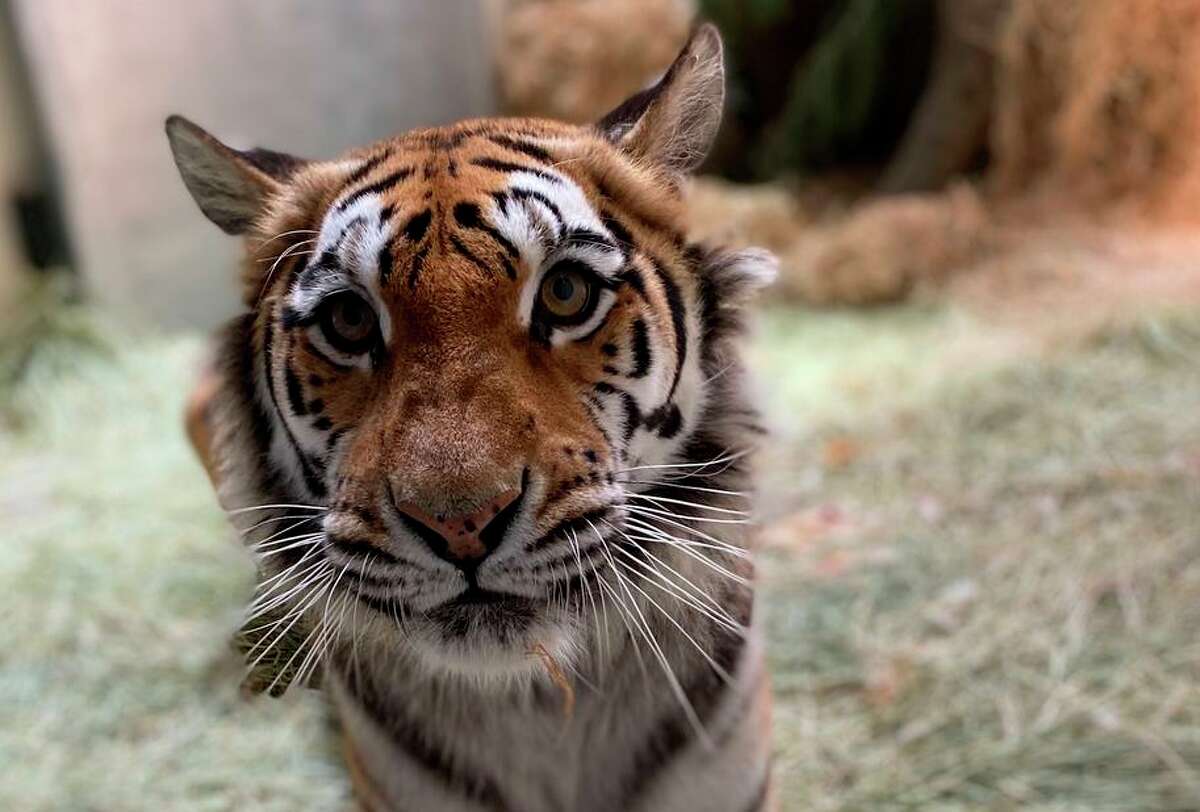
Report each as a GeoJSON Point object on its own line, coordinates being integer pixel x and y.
{"type": "Point", "coordinates": [981, 569]}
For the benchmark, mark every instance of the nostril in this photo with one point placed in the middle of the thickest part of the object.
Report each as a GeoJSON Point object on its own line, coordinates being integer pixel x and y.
{"type": "Point", "coordinates": [464, 539]}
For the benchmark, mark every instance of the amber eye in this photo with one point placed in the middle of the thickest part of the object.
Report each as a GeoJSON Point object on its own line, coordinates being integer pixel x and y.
{"type": "Point", "coordinates": [348, 323]}
{"type": "Point", "coordinates": [567, 293]}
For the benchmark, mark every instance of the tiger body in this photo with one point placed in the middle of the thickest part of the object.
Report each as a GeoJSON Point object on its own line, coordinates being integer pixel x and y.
{"type": "Point", "coordinates": [483, 423]}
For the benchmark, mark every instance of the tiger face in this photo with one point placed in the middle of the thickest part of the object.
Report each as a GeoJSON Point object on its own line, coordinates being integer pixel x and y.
{"type": "Point", "coordinates": [469, 351]}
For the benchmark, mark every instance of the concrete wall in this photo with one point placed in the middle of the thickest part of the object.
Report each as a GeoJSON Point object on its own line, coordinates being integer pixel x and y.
{"type": "Point", "coordinates": [311, 77]}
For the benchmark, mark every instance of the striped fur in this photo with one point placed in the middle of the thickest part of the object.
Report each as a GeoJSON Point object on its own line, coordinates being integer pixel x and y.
{"type": "Point", "coordinates": [603, 655]}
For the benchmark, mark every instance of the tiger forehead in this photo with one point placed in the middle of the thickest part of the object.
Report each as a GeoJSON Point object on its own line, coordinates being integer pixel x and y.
{"type": "Point", "coordinates": [492, 205]}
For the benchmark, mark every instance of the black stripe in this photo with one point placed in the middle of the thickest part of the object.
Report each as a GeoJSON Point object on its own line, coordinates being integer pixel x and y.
{"type": "Point", "coordinates": [365, 168]}
{"type": "Point", "coordinates": [376, 187]}
{"type": "Point", "coordinates": [618, 230]}
{"type": "Point", "coordinates": [673, 732]}
{"type": "Point", "coordinates": [414, 230]}
{"type": "Point", "coordinates": [385, 263]}
{"type": "Point", "coordinates": [333, 440]}
{"type": "Point", "coordinates": [461, 248]}
{"type": "Point", "coordinates": [311, 478]}
{"type": "Point", "coordinates": [419, 744]}
{"type": "Point", "coordinates": [418, 264]}
{"type": "Point", "coordinates": [295, 393]}
{"type": "Point", "coordinates": [501, 199]}
{"type": "Point", "coordinates": [506, 167]}
{"type": "Point", "coordinates": [666, 420]}
{"type": "Point", "coordinates": [524, 147]}
{"type": "Point", "coordinates": [356, 547]}
{"type": "Point", "coordinates": [467, 215]}
{"type": "Point", "coordinates": [634, 277]}
{"type": "Point", "coordinates": [678, 319]}
{"type": "Point", "coordinates": [531, 194]}
{"type": "Point", "coordinates": [238, 340]}
{"type": "Point", "coordinates": [579, 524]}
{"type": "Point", "coordinates": [589, 237]}
{"type": "Point", "coordinates": [596, 410]}
{"type": "Point", "coordinates": [641, 349]}
{"type": "Point", "coordinates": [633, 415]}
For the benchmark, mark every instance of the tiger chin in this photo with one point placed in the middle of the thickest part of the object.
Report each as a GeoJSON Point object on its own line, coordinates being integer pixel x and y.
{"type": "Point", "coordinates": [483, 424]}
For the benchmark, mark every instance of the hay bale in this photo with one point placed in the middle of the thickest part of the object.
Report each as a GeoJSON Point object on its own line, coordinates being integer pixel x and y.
{"type": "Point", "coordinates": [875, 252]}
{"type": "Point", "coordinates": [885, 249]}
{"type": "Point", "coordinates": [765, 215]}
{"type": "Point", "coordinates": [577, 59]}
{"type": "Point", "coordinates": [1097, 105]}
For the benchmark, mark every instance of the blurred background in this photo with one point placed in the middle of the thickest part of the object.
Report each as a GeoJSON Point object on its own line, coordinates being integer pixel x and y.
{"type": "Point", "coordinates": [981, 513]}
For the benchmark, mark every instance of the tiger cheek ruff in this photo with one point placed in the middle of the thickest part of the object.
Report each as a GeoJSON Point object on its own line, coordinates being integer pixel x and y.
{"type": "Point", "coordinates": [483, 425]}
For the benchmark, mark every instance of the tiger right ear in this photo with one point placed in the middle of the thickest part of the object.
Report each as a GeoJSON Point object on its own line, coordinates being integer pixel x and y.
{"type": "Point", "coordinates": [674, 123]}
{"type": "Point", "coordinates": [230, 186]}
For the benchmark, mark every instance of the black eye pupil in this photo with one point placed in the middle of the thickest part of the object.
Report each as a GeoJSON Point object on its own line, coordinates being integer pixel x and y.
{"type": "Point", "coordinates": [352, 315]}
{"type": "Point", "coordinates": [563, 287]}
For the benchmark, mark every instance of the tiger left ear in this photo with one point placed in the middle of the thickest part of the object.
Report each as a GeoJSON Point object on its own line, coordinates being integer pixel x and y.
{"type": "Point", "coordinates": [232, 187]}
{"type": "Point", "coordinates": [673, 123]}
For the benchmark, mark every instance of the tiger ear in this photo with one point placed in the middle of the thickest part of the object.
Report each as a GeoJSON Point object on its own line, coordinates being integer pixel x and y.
{"type": "Point", "coordinates": [231, 187]}
{"type": "Point", "coordinates": [674, 122]}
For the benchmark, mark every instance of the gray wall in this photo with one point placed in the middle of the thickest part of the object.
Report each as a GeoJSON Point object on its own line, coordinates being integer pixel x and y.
{"type": "Point", "coordinates": [17, 157]}
{"type": "Point", "coordinates": [302, 76]}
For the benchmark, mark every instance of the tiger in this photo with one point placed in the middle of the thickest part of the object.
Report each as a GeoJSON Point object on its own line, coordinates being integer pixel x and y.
{"type": "Point", "coordinates": [484, 423]}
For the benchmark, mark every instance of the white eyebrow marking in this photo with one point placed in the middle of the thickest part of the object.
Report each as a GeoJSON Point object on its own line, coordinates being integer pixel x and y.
{"type": "Point", "coordinates": [353, 238]}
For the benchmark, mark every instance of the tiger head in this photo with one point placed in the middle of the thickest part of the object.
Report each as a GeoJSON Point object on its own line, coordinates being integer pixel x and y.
{"type": "Point", "coordinates": [472, 358]}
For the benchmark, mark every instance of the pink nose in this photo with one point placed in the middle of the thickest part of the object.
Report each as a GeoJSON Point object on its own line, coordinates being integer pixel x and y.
{"type": "Point", "coordinates": [462, 537]}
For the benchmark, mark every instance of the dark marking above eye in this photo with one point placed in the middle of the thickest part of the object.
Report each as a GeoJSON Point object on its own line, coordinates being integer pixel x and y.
{"type": "Point", "coordinates": [385, 261]}
{"type": "Point", "coordinates": [609, 349]}
{"type": "Point", "coordinates": [467, 215]}
{"type": "Point", "coordinates": [533, 194]}
{"type": "Point", "coordinates": [315, 380]}
{"type": "Point", "coordinates": [418, 263]}
{"type": "Point", "coordinates": [382, 185]}
{"type": "Point", "coordinates": [365, 168]}
{"type": "Point", "coordinates": [524, 147]}
{"type": "Point", "coordinates": [414, 230]}
{"type": "Point", "coordinates": [589, 237]}
{"type": "Point", "coordinates": [508, 167]}
{"type": "Point", "coordinates": [316, 406]}
{"type": "Point", "coordinates": [590, 455]}
{"type": "Point", "coordinates": [322, 424]}
{"type": "Point", "coordinates": [617, 229]}
{"type": "Point", "coordinates": [466, 252]}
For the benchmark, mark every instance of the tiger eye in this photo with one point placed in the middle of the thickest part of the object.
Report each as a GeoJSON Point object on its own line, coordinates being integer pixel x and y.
{"type": "Point", "coordinates": [349, 323]}
{"type": "Point", "coordinates": [565, 293]}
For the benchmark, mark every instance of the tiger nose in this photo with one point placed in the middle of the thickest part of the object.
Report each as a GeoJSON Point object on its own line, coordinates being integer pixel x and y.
{"type": "Point", "coordinates": [464, 539]}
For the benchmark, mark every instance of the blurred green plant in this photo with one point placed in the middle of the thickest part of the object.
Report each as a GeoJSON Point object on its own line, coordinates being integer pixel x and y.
{"type": "Point", "coordinates": [45, 332]}
{"type": "Point", "coordinates": [819, 83]}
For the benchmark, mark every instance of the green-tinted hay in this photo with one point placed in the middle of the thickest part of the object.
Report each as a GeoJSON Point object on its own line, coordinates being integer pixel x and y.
{"type": "Point", "coordinates": [1015, 626]}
